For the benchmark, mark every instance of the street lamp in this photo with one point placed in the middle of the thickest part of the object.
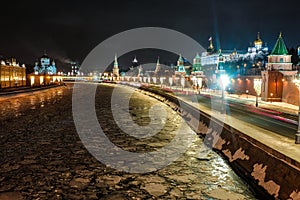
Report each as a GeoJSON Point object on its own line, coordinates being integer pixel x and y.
{"type": "Point", "coordinates": [297, 138]}
{"type": "Point", "coordinates": [194, 83]}
{"type": "Point", "coordinates": [154, 80]}
{"type": "Point", "coordinates": [257, 88]}
{"type": "Point", "coordinates": [224, 82]}
{"type": "Point", "coordinates": [182, 82]}
{"type": "Point", "coordinates": [161, 80]}
{"type": "Point", "coordinates": [171, 82]}
{"type": "Point", "coordinates": [247, 92]}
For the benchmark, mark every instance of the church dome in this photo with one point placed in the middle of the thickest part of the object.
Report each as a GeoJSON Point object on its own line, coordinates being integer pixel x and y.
{"type": "Point", "coordinates": [258, 41]}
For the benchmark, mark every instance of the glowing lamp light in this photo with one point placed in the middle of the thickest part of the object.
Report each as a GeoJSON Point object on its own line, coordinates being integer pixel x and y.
{"type": "Point", "coordinates": [257, 86]}
{"type": "Point", "coordinates": [170, 80]}
{"type": "Point", "coordinates": [224, 80]}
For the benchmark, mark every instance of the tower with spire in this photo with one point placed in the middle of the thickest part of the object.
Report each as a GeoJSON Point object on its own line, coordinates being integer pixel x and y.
{"type": "Point", "coordinates": [180, 67]}
{"type": "Point", "coordinates": [197, 63]}
{"type": "Point", "coordinates": [221, 61]}
{"type": "Point", "coordinates": [210, 48]}
{"type": "Point", "coordinates": [116, 68]}
{"type": "Point", "coordinates": [197, 75]}
{"type": "Point", "coordinates": [157, 68]}
{"type": "Point", "coordinates": [278, 69]}
{"type": "Point", "coordinates": [135, 63]}
{"type": "Point", "coordinates": [279, 58]}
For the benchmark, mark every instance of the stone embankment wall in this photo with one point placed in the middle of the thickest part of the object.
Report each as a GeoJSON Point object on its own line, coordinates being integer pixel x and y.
{"type": "Point", "coordinates": [272, 174]}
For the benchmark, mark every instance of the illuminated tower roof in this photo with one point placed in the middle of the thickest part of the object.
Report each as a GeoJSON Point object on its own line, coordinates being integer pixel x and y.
{"type": "Point", "coordinates": [180, 61]}
{"type": "Point", "coordinates": [135, 60]}
{"type": "Point", "coordinates": [157, 68]}
{"type": "Point", "coordinates": [116, 62]}
{"type": "Point", "coordinates": [210, 48]}
{"type": "Point", "coordinates": [258, 41]}
{"type": "Point", "coordinates": [197, 63]}
{"type": "Point", "coordinates": [180, 65]}
{"type": "Point", "coordinates": [116, 67]}
{"type": "Point", "coordinates": [279, 48]}
{"type": "Point", "coordinates": [197, 56]}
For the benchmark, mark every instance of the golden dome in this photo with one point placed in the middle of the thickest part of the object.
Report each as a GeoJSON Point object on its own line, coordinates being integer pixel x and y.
{"type": "Point", "coordinates": [258, 41]}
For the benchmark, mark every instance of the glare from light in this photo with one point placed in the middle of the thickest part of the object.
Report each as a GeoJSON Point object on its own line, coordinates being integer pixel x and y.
{"type": "Point", "coordinates": [224, 80]}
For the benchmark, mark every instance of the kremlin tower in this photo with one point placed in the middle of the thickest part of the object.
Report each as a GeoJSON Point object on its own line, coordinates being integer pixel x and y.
{"type": "Point", "coordinates": [116, 68]}
{"type": "Point", "coordinates": [180, 67]}
{"type": "Point", "coordinates": [278, 70]}
{"type": "Point", "coordinates": [157, 68]}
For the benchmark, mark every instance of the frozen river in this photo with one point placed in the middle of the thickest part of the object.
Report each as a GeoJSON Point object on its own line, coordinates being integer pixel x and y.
{"type": "Point", "coordinates": [42, 156]}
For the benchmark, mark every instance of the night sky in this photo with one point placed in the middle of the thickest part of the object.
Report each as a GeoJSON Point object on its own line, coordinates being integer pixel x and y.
{"type": "Point", "coordinates": [69, 30]}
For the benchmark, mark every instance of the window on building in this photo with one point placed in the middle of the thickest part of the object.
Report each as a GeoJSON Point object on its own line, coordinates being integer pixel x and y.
{"type": "Point", "coordinates": [281, 60]}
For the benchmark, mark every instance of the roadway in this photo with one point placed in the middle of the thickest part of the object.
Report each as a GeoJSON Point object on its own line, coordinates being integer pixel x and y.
{"type": "Point", "coordinates": [277, 122]}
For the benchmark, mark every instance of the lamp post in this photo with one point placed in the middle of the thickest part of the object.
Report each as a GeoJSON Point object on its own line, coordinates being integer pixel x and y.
{"type": "Point", "coordinates": [194, 83]}
{"type": "Point", "coordinates": [171, 82]}
{"type": "Point", "coordinates": [257, 88]}
{"type": "Point", "coordinates": [154, 80]}
{"type": "Point", "coordinates": [182, 83]}
{"type": "Point", "coordinates": [297, 138]}
{"type": "Point", "coordinates": [161, 80]}
{"type": "Point", "coordinates": [247, 92]}
{"type": "Point", "coordinates": [224, 82]}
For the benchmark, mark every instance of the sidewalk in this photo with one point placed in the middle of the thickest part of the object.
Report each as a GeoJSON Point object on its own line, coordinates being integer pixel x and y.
{"type": "Point", "coordinates": [278, 106]}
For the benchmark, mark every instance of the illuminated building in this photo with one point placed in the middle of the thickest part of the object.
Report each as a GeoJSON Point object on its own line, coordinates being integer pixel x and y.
{"type": "Point", "coordinates": [44, 73]}
{"type": "Point", "coordinates": [279, 68]}
{"type": "Point", "coordinates": [211, 56]}
{"type": "Point", "coordinates": [45, 66]}
{"type": "Point", "coordinates": [258, 46]}
{"type": "Point", "coordinates": [257, 52]}
{"type": "Point", "coordinates": [12, 74]}
{"type": "Point", "coordinates": [74, 69]}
